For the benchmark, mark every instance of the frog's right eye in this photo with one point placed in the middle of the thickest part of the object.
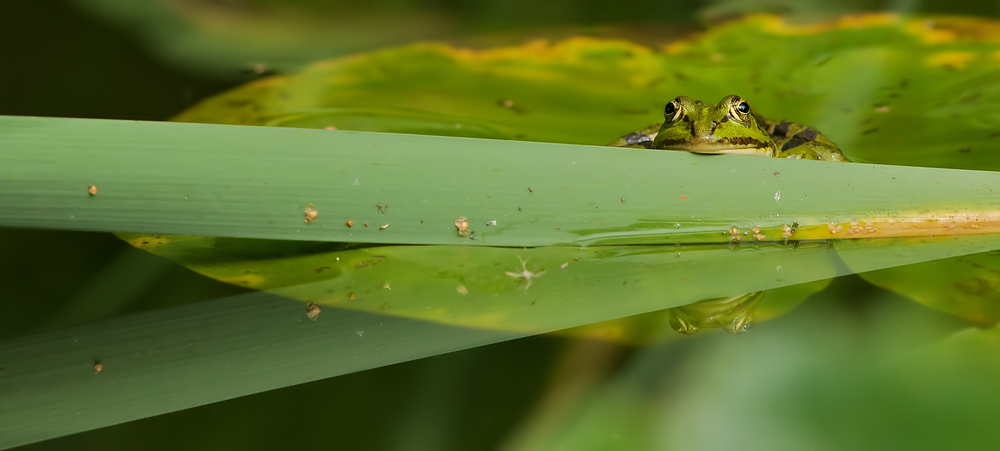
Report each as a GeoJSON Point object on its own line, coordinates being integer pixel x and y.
{"type": "Point", "coordinates": [672, 111]}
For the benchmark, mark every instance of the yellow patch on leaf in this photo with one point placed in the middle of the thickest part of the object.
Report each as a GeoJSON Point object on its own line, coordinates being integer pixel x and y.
{"type": "Point", "coordinates": [928, 33]}
{"type": "Point", "coordinates": [777, 25]}
{"type": "Point", "coordinates": [951, 60]}
{"type": "Point", "coordinates": [949, 28]}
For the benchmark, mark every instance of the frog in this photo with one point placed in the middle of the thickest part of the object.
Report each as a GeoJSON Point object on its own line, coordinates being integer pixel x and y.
{"type": "Point", "coordinates": [731, 127]}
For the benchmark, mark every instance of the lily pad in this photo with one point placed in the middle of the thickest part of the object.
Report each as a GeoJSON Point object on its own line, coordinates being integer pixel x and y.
{"type": "Point", "coordinates": [888, 89]}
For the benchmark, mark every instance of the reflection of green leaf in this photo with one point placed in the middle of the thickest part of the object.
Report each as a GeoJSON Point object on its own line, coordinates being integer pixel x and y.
{"type": "Point", "coordinates": [968, 286]}
{"type": "Point", "coordinates": [469, 285]}
{"type": "Point", "coordinates": [887, 89]}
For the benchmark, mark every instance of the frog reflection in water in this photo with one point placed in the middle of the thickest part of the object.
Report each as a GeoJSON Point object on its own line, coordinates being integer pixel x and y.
{"type": "Point", "coordinates": [731, 127]}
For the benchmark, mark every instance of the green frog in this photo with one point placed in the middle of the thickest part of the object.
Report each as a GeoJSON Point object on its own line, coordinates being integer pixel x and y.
{"type": "Point", "coordinates": [731, 127]}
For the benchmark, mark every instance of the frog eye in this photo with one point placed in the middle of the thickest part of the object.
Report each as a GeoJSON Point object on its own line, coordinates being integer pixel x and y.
{"type": "Point", "coordinates": [739, 109]}
{"type": "Point", "coordinates": [672, 111]}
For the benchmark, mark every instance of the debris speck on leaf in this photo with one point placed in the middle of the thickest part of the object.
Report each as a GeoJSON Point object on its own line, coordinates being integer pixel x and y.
{"type": "Point", "coordinates": [491, 223]}
{"type": "Point", "coordinates": [383, 227]}
{"type": "Point", "coordinates": [310, 214]}
{"type": "Point", "coordinates": [525, 274]}
{"type": "Point", "coordinates": [381, 208]}
{"type": "Point", "coordinates": [564, 265]}
{"type": "Point", "coordinates": [777, 195]}
{"type": "Point", "coordinates": [462, 224]}
{"type": "Point", "coordinates": [786, 231]}
{"type": "Point", "coordinates": [312, 311]}
{"type": "Point", "coordinates": [386, 286]}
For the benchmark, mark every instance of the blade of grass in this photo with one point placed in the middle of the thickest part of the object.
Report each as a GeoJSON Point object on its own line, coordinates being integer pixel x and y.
{"type": "Point", "coordinates": [256, 182]}
{"type": "Point", "coordinates": [173, 359]}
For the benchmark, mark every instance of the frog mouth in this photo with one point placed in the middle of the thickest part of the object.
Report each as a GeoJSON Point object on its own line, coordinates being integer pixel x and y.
{"type": "Point", "coordinates": [721, 150]}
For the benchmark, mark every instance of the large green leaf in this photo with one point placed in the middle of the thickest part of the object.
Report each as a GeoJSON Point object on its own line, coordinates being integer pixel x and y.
{"type": "Point", "coordinates": [918, 91]}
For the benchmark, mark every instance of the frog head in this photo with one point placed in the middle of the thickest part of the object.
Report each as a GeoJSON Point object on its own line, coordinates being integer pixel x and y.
{"type": "Point", "coordinates": [731, 127]}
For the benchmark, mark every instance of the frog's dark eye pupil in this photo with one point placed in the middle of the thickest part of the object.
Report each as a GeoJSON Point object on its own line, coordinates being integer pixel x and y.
{"type": "Point", "coordinates": [743, 107]}
{"type": "Point", "coordinates": [670, 109]}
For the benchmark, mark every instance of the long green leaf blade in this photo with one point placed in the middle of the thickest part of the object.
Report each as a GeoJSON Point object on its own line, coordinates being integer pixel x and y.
{"type": "Point", "coordinates": [256, 182]}
{"type": "Point", "coordinates": [174, 359]}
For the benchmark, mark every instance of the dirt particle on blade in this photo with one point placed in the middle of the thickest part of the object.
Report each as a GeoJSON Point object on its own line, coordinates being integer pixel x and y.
{"type": "Point", "coordinates": [310, 214]}
{"type": "Point", "coordinates": [525, 273]}
{"type": "Point", "coordinates": [462, 224]}
{"type": "Point", "coordinates": [312, 311]}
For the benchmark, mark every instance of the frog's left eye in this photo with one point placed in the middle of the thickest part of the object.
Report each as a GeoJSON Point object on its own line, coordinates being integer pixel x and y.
{"type": "Point", "coordinates": [739, 109]}
{"type": "Point", "coordinates": [672, 111]}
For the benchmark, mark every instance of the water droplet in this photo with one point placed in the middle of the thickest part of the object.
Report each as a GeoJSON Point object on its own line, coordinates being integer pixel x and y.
{"type": "Point", "coordinates": [677, 226]}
